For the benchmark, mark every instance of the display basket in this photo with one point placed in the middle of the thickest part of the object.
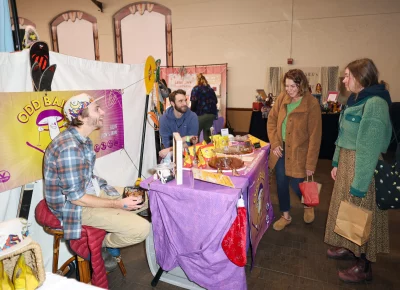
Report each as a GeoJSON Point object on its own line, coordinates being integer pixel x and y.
{"type": "Point", "coordinates": [33, 258]}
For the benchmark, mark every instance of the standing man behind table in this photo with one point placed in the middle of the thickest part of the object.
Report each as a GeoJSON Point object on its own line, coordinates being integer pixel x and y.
{"type": "Point", "coordinates": [177, 118]}
{"type": "Point", "coordinates": [75, 195]}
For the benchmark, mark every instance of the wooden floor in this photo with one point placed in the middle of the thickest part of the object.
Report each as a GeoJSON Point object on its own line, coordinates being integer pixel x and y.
{"type": "Point", "coordinates": [294, 258]}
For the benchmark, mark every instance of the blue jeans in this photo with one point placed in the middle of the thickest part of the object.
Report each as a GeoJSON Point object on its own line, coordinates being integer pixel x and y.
{"type": "Point", "coordinates": [283, 181]}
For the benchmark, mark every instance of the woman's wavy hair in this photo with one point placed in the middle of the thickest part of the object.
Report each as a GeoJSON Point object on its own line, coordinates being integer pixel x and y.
{"type": "Point", "coordinates": [201, 80]}
{"type": "Point", "coordinates": [299, 78]}
{"type": "Point", "coordinates": [365, 72]}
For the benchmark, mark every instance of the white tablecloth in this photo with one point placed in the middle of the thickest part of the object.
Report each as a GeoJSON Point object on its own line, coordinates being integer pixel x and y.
{"type": "Point", "coordinates": [58, 282]}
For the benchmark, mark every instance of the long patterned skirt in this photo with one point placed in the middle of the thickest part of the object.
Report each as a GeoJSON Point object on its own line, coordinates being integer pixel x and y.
{"type": "Point", "coordinates": [379, 238]}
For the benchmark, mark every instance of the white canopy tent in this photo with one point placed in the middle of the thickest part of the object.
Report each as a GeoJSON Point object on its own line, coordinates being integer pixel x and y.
{"type": "Point", "coordinates": [119, 168]}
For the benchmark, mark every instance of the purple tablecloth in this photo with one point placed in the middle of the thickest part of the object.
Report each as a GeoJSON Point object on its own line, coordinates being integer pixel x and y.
{"type": "Point", "coordinates": [190, 221]}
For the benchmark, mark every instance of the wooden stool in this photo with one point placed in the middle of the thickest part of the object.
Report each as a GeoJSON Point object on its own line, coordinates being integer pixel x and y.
{"type": "Point", "coordinates": [82, 264]}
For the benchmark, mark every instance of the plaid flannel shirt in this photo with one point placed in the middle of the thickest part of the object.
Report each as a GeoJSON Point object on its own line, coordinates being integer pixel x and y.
{"type": "Point", "coordinates": [68, 169]}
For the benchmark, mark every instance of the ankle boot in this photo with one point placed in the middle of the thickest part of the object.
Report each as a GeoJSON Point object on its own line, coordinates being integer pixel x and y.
{"type": "Point", "coordinates": [360, 272]}
{"type": "Point", "coordinates": [340, 254]}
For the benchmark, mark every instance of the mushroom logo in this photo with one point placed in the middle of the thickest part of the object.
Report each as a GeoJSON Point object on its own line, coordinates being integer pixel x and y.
{"type": "Point", "coordinates": [50, 118]}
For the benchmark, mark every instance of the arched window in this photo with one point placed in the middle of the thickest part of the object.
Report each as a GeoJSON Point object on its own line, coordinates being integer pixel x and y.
{"type": "Point", "coordinates": [142, 29]}
{"type": "Point", "coordinates": [75, 33]}
{"type": "Point", "coordinates": [22, 23]}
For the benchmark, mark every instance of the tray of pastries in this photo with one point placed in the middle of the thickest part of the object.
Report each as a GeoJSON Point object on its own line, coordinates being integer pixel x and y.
{"type": "Point", "coordinates": [240, 148]}
{"type": "Point", "coordinates": [226, 163]}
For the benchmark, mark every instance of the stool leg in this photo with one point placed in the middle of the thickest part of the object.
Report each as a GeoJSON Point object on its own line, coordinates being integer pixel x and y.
{"type": "Point", "coordinates": [157, 277]}
{"type": "Point", "coordinates": [66, 267]}
{"type": "Point", "coordinates": [121, 266]}
{"type": "Point", "coordinates": [84, 270]}
{"type": "Point", "coordinates": [56, 250]}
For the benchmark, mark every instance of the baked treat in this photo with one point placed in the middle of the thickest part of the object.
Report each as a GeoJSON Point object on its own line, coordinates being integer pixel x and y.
{"type": "Point", "coordinates": [225, 163]}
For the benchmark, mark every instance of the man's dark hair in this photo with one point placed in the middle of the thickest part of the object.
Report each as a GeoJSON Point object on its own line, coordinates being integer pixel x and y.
{"type": "Point", "coordinates": [76, 122]}
{"type": "Point", "coordinates": [174, 93]}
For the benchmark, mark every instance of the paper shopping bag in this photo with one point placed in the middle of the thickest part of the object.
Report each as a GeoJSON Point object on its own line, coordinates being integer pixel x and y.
{"type": "Point", "coordinates": [353, 223]}
{"type": "Point", "coordinates": [310, 192]}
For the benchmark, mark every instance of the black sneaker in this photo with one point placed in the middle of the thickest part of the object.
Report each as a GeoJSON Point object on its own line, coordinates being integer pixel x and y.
{"type": "Point", "coordinates": [109, 261]}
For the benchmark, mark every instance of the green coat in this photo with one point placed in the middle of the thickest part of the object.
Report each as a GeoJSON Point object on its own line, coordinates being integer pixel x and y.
{"type": "Point", "coordinates": [364, 127]}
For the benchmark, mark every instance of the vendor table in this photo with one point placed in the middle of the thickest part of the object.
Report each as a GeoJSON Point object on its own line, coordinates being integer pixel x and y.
{"type": "Point", "coordinates": [190, 221]}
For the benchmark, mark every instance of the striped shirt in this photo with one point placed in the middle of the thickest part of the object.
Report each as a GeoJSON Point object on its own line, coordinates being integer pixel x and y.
{"type": "Point", "coordinates": [68, 170]}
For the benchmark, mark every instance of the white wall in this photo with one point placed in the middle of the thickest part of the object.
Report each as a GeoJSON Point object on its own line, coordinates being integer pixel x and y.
{"type": "Point", "coordinates": [252, 35]}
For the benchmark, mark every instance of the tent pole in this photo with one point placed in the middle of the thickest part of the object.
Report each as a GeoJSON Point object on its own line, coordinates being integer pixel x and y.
{"type": "Point", "coordinates": [143, 141]}
{"type": "Point", "coordinates": [17, 40]}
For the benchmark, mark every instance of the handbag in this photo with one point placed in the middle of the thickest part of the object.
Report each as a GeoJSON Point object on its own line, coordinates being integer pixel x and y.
{"type": "Point", "coordinates": [310, 191]}
{"type": "Point", "coordinates": [387, 182]}
{"type": "Point", "coordinates": [353, 222]}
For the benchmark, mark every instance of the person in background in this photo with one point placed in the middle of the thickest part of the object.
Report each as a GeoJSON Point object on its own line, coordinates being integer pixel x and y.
{"type": "Point", "coordinates": [294, 129]}
{"type": "Point", "coordinates": [364, 133]}
{"type": "Point", "coordinates": [204, 104]}
{"type": "Point", "coordinates": [177, 118]}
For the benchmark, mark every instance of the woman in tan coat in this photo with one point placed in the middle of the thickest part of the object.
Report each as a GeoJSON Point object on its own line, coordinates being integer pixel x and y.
{"type": "Point", "coordinates": [294, 129]}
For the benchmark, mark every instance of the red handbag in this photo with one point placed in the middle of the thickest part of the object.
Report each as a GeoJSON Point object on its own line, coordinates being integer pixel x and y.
{"type": "Point", "coordinates": [234, 242]}
{"type": "Point", "coordinates": [310, 191]}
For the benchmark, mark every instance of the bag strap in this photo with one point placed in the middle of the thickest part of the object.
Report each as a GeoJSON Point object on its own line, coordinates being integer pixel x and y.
{"type": "Point", "coordinates": [312, 178]}
{"type": "Point", "coordinates": [362, 200]}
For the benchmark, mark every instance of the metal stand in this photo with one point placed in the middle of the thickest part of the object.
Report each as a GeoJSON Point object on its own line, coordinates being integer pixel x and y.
{"type": "Point", "coordinates": [143, 137]}
{"type": "Point", "coordinates": [157, 277]}
{"type": "Point", "coordinates": [17, 39]}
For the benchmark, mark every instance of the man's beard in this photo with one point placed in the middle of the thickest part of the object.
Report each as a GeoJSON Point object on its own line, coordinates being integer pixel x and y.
{"type": "Point", "coordinates": [182, 110]}
{"type": "Point", "coordinates": [95, 123]}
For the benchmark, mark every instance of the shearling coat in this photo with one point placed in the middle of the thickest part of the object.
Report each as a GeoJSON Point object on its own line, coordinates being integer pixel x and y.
{"type": "Point", "coordinates": [303, 134]}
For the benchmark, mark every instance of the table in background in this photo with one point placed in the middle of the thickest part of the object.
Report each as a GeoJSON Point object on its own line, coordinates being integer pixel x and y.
{"type": "Point", "coordinates": [330, 131]}
{"type": "Point", "coordinates": [258, 126]}
{"type": "Point", "coordinates": [190, 221]}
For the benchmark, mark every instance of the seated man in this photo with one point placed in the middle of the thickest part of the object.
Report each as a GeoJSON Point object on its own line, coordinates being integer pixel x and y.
{"type": "Point", "coordinates": [75, 195]}
{"type": "Point", "coordinates": [178, 118]}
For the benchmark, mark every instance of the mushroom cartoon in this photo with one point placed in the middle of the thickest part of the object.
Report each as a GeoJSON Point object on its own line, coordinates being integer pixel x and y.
{"type": "Point", "coordinates": [51, 118]}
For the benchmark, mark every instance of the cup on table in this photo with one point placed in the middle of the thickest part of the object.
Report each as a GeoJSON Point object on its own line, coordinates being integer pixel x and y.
{"type": "Point", "coordinates": [165, 172]}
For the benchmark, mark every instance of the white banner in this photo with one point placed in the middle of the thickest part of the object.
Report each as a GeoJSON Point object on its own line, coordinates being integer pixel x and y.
{"type": "Point", "coordinates": [186, 83]}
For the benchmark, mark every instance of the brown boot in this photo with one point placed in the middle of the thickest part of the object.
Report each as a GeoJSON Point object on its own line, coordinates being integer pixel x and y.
{"type": "Point", "coordinates": [340, 254]}
{"type": "Point", "coordinates": [360, 272]}
{"type": "Point", "coordinates": [309, 215]}
{"type": "Point", "coordinates": [281, 223]}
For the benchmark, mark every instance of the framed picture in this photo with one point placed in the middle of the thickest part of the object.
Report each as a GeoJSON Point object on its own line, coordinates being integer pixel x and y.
{"type": "Point", "coordinates": [262, 93]}
{"type": "Point", "coordinates": [332, 96]}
